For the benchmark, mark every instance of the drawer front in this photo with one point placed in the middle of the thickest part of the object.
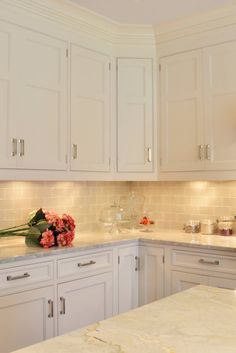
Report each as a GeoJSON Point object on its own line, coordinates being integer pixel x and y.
{"type": "Point", "coordinates": [26, 275]}
{"type": "Point", "coordinates": [84, 264]}
{"type": "Point", "coordinates": [204, 261]}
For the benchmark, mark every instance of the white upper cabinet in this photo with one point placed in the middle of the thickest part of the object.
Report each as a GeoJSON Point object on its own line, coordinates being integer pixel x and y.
{"type": "Point", "coordinates": [8, 86]}
{"type": "Point", "coordinates": [198, 124]}
{"type": "Point", "coordinates": [220, 98]}
{"type": "Point", "coordinates": [90, 110]}
{"type": "Point", "coordinates": [33, 100]}
{"type": "Point", "coordinates": [42, 115]}
{"type": "Point", "coordinates": [182, 112]}
{"type": "Point", "coordinates": [135, 115]}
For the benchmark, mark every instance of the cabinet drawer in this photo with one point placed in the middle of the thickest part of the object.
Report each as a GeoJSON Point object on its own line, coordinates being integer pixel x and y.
{"type": "Point", "coordinates": [84, 264]}
{"type": "Point", "coordinates": [204, 261]}
{"type": "Point", "coordinates": [21, 276]}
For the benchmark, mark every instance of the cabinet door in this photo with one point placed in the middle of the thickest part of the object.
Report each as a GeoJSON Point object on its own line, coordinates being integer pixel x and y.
{"type": "Point", "coordinates": [182, 130]}
{"type": "Point", "coordinates": [128, 279]}
{"type": "Point", "coordinates": [151, 275]}
{"type": "Point", "coordinates": [90, 110]}
{"type": "Point", "coordinates": [135, 115]}
{"type": "Point", "coordinates": [26, 318]}
{"type": "Point", "coordinates": [220, 282]}
{"type": "Point", "coordinates": [220, 90]}
{"type": "Point", "coordinates": [181, 281]}
{"type": "Point", "coordinates": [42, 112]}
{"type": "Point", "coordinates": [84, 302]}
{"type": "Point", "coordinates": [8, 86]}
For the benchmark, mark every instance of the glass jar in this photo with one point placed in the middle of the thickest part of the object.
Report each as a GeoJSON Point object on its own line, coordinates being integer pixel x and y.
{"type": "Point", "coordinates": [113, 216]}
{"type": "Point", "coordinates": [226, 225]}
{"type": "Point", "coordinates": [208, 227]}
{"type": "Point", "coordinates": [192, 226]}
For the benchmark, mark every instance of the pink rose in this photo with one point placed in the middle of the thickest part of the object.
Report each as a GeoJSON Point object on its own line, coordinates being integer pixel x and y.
{"type": "Point", "coordinates": [65, 239]}
{"type": "Point", "coordinates": [47, 240]}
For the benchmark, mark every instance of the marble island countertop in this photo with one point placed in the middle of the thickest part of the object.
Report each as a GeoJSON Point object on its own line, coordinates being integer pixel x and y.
{"type": "Point", "coordinates": [199, 320]}
{"type": "Point", "coordinates": [14, 249]}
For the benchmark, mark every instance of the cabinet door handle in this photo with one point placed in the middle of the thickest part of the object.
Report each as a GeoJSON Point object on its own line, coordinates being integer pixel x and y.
{"type": "Point", "coordinates": [137, 264]}
{"type": "Point", "coordinates": [22, 147]}
{"type": "Point", "coordinates": [208, 152]}
{"type": "Point", "coordinates": [81, 264]}
{"type": "Point", "coordinates": [149, 155]}
{"type": "Point", "coordinates": [206, 262]}
{"type": "Point", "coordinates": [201, 152]}
{"type": "Point", "coordinates": [50, 305]}
{"type": "Point", "coordinates": [14, 147]}
{"type": "Point", "coordinates": [63, 306]}
{"type": "Point", "coordinates": [13, 278]}
{"type": "Point", "coordinates": [74, 151]}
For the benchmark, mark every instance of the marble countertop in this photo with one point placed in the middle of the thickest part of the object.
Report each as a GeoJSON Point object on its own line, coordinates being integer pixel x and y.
{"type": "Point", "coordinates": [198, 320]}
{"type": "Point", "coordinates": [14, 249]}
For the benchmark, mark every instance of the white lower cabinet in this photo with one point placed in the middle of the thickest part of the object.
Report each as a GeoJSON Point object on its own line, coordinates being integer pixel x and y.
{"type": "Point", "coordinates": [26, 318]}
{"type": "Point", "coordinates": [181, 281]}
{"type": "Point", "coordinates": [127, 278]}
{"type": "Point", "coordinates": [84, 301]}
{"type": "Point", "coordinates": [151, 275]}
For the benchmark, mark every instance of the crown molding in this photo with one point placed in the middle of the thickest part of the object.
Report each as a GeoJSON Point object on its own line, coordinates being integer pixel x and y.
{"type": "Point", "coordinates": [202, 22]}
{"type": "Point", "coordinates": [74, 17]}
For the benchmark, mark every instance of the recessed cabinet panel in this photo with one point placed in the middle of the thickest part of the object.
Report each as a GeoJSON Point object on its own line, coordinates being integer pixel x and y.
{"type": "Point", "coordinates": [7, 92]}
{"type": "Point", "coordinates": [90, 110]}
{"type": "Point", "coordinates": [24, 318]}
{"type": "Point", "coordinates": [135, 115]}
{"type": "Point", "coordinates": [220, 88]}
{"type": "Point", "coordinates": [43, 110]}
{"type": "Point", "coordinates": [84, 302]}
{"type": "Point", "coordinates": [181, 281]}
{"type": "Point", "coordinates": [128, 279]}
{"type": "Point", "coordinates": [181, 112]}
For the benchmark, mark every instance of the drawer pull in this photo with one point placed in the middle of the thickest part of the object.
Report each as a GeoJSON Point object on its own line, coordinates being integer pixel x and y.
{"type": "Point", "coordinates": [80, 264]}
{"type": "Point", "coordinates": [216, 262]}
{"type": "Point", "coordinates": [50, 304]}
{"type": "Point", "coordinates": [13, 278]}
{"type": "Point", "coordinates": [63, 306]}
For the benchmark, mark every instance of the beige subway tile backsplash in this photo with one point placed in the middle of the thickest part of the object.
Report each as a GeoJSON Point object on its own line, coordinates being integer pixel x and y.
{"type": "Point", "coordinates": [173, 203]}
{"type": "Point", "coordinates": [170, 203]}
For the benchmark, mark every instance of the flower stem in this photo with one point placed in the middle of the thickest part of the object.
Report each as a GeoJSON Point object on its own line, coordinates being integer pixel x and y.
{"type": "Point", "coordinates": [6, 229]}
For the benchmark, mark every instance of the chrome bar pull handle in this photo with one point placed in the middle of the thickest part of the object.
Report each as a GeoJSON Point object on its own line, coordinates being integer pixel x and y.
{"type": "Point", "coordinates": [22, 147]}
{"type": "Point", "coordinates": [149, 155]}
{"type": "Point", "coordinates": [50, 305]}
{"type": "Point", "coordinates": [13, 278]}
{"type": "Point", "coordinates": [137, 265]}
{"type": "Point", "coordinates": [208, 152]}
{"type": "Point", "coordinates": [14, 147]}
{"type": "Point", "coordinates": [63, 306]}
{"type": "Point", "coordinates": [201, 152]}
{"type": "Point", "coordinates": [80, 264]}
{"type": "Point", "coordinates": [74, 151]}
{"type": "Point", "coordinates": [207, 262]}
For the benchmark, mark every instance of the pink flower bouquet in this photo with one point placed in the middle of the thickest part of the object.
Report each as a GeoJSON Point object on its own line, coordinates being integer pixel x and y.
{"type": "Point", "coordinates": [46, 229]}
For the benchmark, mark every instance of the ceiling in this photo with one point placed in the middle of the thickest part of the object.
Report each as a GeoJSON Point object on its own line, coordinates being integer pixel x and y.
{"type": "Point", "coordinates": [149, 11]}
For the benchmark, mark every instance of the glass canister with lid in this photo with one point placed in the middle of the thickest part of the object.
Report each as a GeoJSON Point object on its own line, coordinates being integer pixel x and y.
{"type": "Point", "coordinates": [226, 225]}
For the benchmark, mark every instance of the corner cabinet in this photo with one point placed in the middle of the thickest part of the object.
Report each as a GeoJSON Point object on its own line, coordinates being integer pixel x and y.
{"type": "Point", "coordinates": [198, 95]}
{"type": "Point", "coordinates": [90, 110]}
{"type": "Point", "coordinates": [33, 89]}
{"type": "Point", "coordinates": [135, 127]}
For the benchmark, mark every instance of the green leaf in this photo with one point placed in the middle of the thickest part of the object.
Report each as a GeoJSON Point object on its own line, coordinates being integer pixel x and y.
{"type": "Point", "coordinates": [39, 215]}
{"type": "Point", "coordinates": [42, 225]}
{"type": "Point", "coordinates": [32, 238]}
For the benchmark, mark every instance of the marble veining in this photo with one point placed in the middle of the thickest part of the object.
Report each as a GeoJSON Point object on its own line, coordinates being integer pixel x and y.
{"type": "Point", "coordinates": [16, 250]}
{"type": "Point", "coordinates": [199, 320]}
